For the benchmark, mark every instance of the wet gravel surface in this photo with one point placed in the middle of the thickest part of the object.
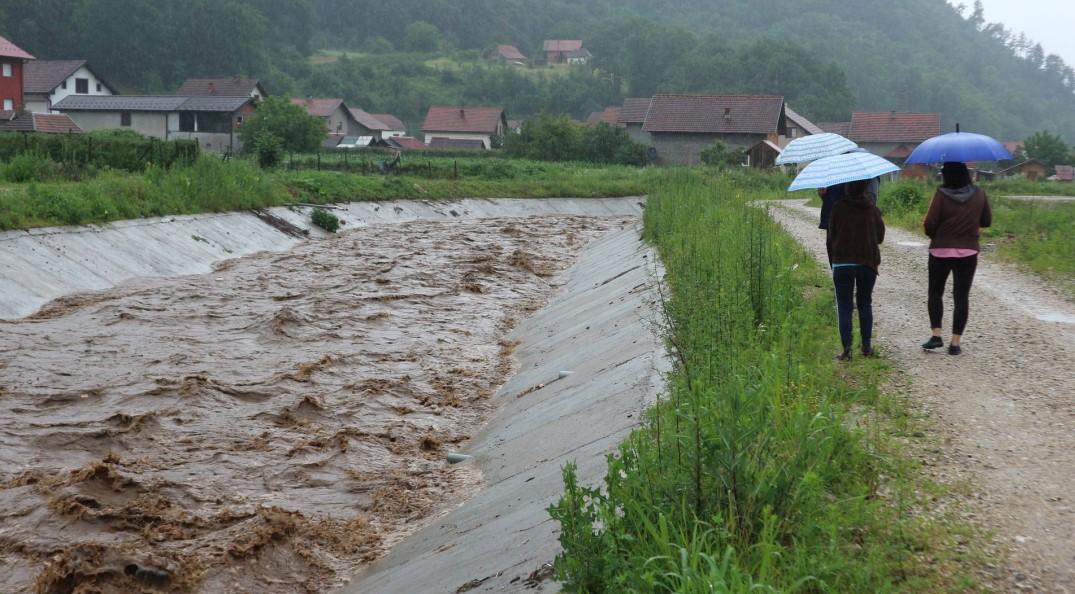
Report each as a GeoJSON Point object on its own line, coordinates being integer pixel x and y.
{"type": "Point", "coordinates": [1003, 411]}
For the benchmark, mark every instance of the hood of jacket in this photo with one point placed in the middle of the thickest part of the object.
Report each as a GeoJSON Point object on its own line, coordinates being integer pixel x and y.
{"type": "Point", "coordinates": [960, 195]}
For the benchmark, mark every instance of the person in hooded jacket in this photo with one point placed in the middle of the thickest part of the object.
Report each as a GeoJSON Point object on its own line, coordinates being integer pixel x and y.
{"type": "Point", "coordinates": [954, 223]}
{"type": "Point", "coordinates": [856, 229]}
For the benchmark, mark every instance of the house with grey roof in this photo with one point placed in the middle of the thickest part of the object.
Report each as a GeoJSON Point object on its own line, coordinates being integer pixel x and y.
{"type": "Point", "coordinates": [212, 121]}
{"type": "Point", "coordinates": [47, 82]}
{"type": "Point", "coordinates": [680, 127]}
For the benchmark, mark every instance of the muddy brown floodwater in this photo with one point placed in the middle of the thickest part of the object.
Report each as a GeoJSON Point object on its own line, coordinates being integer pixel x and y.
{"type": "Point", "coordinates": [269, 427]}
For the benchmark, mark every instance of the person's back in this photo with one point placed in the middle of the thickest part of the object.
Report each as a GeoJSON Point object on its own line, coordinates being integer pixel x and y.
{"type": "Point", "coordinates": [855, 231]}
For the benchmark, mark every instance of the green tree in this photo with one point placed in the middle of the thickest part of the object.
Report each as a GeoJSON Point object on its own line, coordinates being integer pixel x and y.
{"type": "Point", "coordinates": [279, 125]}
{"type": "Point", "coordinates": [719, 155]}
{"type": "Point", "coordinates": [421, 36]}
{"type": "Point", "coordinates": [1048, 148]}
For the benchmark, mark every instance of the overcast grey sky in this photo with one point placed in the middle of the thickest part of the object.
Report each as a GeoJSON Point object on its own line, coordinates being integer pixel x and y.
{"type": "Point", "coordinates": [1049, 22]}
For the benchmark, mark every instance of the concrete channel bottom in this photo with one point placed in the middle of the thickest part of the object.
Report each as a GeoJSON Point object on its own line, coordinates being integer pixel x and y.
{"type": "Point", "coordinates": [600, 329]}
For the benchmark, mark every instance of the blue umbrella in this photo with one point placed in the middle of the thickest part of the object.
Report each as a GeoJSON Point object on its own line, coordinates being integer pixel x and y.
{"type": "Point", "coordinates": [841, 169]}
{"type": "Point", "coordinates": [959, 146]}
{"type": "Point", "coordinates": [813, 147]}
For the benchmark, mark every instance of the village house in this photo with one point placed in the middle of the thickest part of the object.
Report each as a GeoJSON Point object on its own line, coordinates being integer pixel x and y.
{"type": "Point", "coordinates": [579, 56]}
{"type": "Point", "coordinates": [633, 117]}
{"type": "Point", "coordinates": [464, 123]}
{"type": "Point", "coordinates": [1064, 173]}
{"type": "Point", "coordinates": [610, 116]}
{"type": "Point", "coordinates": [1032, 169]}
{"type": "Point", "coordinates": [42, 123]}
{"type": "Point", "coordinates": [223, 87]}
{"type": "Point", "coordinates": [557, 50]}
{"type": "Point", "coordinates": [47, 82]}
{"type": "Point", "coordinates": [509, 54]}
{"type": "Point", "coordinates": [372, 125]}
{"type": "Point", "coordinates": [682, 126]}
{"type": "Point", "coordinates": [406, 143]}
{"type": "Point", "coordinates": [393, 126]}
{"type": "Point", "coordinates": [889, 134]}
{"type": "Point", "coordinates": [798, 127]}
{"type": "Point", "coordinates": [13, 60]}
{"type": "Point", "coordinates": [338, 119]}
{"type": "Point", "coordinates": [212, 121]}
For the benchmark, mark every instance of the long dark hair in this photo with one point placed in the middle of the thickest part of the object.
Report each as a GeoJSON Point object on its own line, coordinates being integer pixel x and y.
{"type": "Point", "coordinates": [857, 189]}
{"type": "Point", "coordinates": [955, 175]}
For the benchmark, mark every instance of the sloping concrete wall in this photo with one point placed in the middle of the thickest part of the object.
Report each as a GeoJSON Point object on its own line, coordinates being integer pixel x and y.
{"type": "Point", "coordinates": [40, 265]}
{"type": "Point", "coordinates": [601, 328]}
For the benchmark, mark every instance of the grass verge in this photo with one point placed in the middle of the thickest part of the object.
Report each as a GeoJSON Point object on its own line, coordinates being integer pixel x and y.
{"type": "Point", "coordinates": [763, 467]}
{"type": "Point", "coordinates": [1035, 235]}
{"type": "Point", "coordinates": [212, 185]}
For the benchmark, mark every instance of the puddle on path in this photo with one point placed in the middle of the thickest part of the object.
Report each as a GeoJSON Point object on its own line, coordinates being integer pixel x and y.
{"type": "Point", "coordinates": [268, 427]}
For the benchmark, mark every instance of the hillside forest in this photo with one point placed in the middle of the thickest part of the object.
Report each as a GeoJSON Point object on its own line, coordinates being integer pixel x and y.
{"type": "Point", "coordinates": [827, 57]}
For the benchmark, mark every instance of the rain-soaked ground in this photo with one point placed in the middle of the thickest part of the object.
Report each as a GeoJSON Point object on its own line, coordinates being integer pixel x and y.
{"type": "Point", "coordinates": [269, 427]}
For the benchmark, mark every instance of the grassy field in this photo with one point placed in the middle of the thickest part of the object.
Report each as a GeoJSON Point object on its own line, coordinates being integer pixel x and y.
{"type": "Point", "coordinates": [1036, 235]}
{"type": "Point", "coordinates": [763, 467]}
{"type": "Point", "coordinates": [211, 185]}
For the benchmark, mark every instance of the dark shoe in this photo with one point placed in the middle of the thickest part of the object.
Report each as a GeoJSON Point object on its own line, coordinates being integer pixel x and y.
{"type": "Point", "coordinates": [868, 353]}
{"type": "Point", "coordinates": [953, 349]}
{"type": "Point", "coordinates": [844, 356]}
{"type": "Point", "coordinates": [934, 342]}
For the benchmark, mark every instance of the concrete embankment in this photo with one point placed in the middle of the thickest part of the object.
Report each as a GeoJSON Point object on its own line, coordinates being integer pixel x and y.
{"type": "Point", "coordinates": [601, 329]}
{"type": "Point", "coordinates": [40, 265]}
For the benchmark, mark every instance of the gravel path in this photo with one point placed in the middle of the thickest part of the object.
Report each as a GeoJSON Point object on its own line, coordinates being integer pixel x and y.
{"type": "Point", "coordinates": [1042, 198]}
{"type": "Point", "coordinates": [1004, 410]}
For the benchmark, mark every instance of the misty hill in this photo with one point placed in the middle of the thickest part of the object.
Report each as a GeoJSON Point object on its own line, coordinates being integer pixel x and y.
{"type": "Point", "coordinates": [827, 56]}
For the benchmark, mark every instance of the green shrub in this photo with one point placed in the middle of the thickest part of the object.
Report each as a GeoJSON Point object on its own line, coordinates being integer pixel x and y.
{"type": "Point", "coordinates": [28, 167]}
{"type": "Point", "coordinates": [115, 149]}
{"type": "Point", "coordinates": [269, 150]}
{"type": "Point", "coordinates": [719, 155]}
{"type": "Point", "coordinates": [325, 219]}
{"type": "Point", "coordinates": [902, 197]}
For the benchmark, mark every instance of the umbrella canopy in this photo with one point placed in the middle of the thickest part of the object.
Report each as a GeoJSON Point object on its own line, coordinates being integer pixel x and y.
{"type": "Point", "coordinates": [813, 147]}
{"type": "Point", "coordinates": [959, 146]}
{"type": "Point", "coordinates": [849, 167]}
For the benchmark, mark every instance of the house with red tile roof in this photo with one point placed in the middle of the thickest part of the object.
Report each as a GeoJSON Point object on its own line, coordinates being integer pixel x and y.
{"type": "Point", "coordinates": [680, 127]}
{"type": "Point", "coordinates": [610, 116]}
{"type": "Point", "coordinates": [557, 50]}
{"type": "Point", "coordinates": [633, 116]}
{"type": "Point", "coordinates": [465, 123]}
{"type": "Point", "coordinates": [13, 60]}
{"type": "Point", "coordinates": [334, 113]}
{"type": "Point", "coordinates": [47, 82]}
{"type": "Point", "coordinates": [43, 123]}
{"type": "Point", "coordinates": [509, 54]}
{"type": "Point", "coordinates": [393, 126]}
{"type": "Point", "coordinates": [889, 134]}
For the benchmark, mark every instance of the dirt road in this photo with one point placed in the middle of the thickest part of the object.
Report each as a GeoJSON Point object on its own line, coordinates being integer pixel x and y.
{"type": "Point", "coordinates": [268, 427]}
{"type": "Point", "coordinates": [1005, 408]}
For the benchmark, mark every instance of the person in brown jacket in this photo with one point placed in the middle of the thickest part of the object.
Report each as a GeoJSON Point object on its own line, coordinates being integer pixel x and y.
{"type": "Point", "coordinates": [855, 231]}
{"type": "Point", "coordinates": [954, 223]}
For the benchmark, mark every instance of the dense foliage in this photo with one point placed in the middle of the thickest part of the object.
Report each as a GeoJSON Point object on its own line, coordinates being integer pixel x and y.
{"type": "Point", "coordinates": [917, 55]}
{"type": "Point", "coordinates": [69, 155]}
{"type": "Point", "coordinates": [557, 138]}
{"type": "Point", "coordinates": [280, 125]}
{"type": "Point", "coordinates": [1050, 149]}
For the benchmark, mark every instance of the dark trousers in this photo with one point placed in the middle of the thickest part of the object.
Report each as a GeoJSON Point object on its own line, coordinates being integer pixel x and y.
{"type": "Point", "coordinates": [854, 285]}
{"type": "Point", "coordinates": [962, 271]}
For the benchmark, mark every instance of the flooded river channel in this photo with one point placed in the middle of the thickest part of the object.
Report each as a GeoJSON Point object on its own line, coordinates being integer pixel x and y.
{"type": "Point", "coordinates": [271, 426]}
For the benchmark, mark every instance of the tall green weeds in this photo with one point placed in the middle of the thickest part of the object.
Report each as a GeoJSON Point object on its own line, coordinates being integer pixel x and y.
{"type": "Point", "coordinates": [748, 475]}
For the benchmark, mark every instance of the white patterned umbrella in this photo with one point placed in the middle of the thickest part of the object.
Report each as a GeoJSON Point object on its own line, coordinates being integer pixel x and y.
{"type": "Point", "coordinates": [849, 167]}
{"type": "Point", "coordinates": [813, 147]}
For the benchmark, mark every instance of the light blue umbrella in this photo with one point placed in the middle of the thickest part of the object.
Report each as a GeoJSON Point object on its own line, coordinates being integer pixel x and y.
{"type": "Point", "coordinates": [840, 169]}
{"type": "Point", "coordinates": [813, 147]}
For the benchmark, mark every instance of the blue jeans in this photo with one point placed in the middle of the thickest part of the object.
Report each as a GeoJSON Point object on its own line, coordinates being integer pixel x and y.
{"type": "Point", "coordinates": [854, 284]}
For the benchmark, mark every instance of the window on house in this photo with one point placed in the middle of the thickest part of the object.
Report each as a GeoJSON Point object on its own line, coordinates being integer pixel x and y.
{"type": "Point", "coordinates": [186, 122]}
{"type": "Point", "coordinates": [7, 71]}
{"type": "Point", "coordinates": [125, 119]}
{"type": "Point", "coordinates": [98, 87]}
{"type": "Point", "coordinates": [63, 85]}
{"type": "Point", "coordinates": [82, 86]}
{"type": "Point", "coordinates": [9, 105]}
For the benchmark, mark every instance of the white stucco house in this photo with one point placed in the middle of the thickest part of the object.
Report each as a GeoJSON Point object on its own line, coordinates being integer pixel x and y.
{"type": "Point", "coordinates": [464, 123]}
{"type": "Point", "coordinates": [47, 82]}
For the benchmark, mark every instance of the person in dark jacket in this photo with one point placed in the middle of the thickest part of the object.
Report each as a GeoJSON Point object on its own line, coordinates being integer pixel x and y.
{"type": "Point", "coordinates": [954, 223]}
{"type": "Point", "coordinates": [856, 229]}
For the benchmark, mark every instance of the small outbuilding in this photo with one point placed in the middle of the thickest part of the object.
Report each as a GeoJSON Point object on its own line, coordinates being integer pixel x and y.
{"type": "Point", "coordinates": [1031, 169]}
